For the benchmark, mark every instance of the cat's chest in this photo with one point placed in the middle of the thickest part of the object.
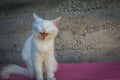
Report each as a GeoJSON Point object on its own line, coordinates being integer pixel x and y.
{"type": "Point", "coordinates": [44, 46]}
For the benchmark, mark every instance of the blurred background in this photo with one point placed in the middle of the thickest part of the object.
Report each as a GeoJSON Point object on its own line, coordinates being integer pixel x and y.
{"type": "Point", "coordinates": [89, 30]}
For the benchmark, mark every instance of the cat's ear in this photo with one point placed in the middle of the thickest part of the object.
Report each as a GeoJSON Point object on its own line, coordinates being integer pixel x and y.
{"type": "Point", "coordinates": [56, 21]}
{"type": "Point", "coordinates": [36, 17]}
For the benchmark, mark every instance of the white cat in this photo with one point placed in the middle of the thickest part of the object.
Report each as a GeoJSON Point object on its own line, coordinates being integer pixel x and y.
{"type": "Point", "coordinates": [38, 51]}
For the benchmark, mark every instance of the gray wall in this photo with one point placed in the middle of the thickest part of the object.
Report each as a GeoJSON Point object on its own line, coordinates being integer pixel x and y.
{"type": "Point", "coordinates": [89, 29]}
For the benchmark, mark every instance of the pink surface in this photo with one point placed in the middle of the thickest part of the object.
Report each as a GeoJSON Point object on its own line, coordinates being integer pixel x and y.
{"type": "Point", "coordinates": [83, 71]}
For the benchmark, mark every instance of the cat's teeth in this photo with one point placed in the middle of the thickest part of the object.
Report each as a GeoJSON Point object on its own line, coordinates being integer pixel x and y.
{"type": "Point", "coordinates": [43, 35]}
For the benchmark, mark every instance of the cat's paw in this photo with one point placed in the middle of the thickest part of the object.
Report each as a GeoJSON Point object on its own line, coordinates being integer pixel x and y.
{"type": "Point", "coordinates": [51, 78]}
{"type": "Point", "coordinates": [38, 79]}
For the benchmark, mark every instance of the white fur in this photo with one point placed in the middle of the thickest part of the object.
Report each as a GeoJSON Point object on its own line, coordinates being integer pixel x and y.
{"type": "Point", "coordinates": [37, 54]}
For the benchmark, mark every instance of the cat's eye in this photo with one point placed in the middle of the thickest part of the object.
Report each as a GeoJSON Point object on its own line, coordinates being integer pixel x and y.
{"type": "Point", "coordinates": [48, 27]}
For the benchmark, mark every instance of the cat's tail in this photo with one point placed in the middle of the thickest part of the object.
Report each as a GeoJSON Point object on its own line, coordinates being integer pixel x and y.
{"type": "Point", "coordinates": [14, 69]}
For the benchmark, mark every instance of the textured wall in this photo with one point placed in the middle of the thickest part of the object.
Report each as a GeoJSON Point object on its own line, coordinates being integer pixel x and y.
{"type": "Point", "coordinates": [89, 29]}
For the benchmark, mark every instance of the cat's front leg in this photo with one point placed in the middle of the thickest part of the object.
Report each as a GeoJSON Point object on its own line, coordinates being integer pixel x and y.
{"type": "Point", "coordinates": [49, 69]}
{"type": "Point", "coordinates": [38, 69]}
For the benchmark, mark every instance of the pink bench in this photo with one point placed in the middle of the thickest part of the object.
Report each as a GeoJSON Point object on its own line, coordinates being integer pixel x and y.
{"type": "Point", "coordinates": [83, 71]}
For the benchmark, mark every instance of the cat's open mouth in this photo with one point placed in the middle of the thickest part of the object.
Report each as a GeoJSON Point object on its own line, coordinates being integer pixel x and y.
{"type": "Point", "coordinates": [43, 35]}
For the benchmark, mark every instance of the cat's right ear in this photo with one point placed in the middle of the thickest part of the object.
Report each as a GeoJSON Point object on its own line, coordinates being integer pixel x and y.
{"type": "Point", "coordinates": [36, 17]}
{"type": "Point", "coordinates": [56, 21]}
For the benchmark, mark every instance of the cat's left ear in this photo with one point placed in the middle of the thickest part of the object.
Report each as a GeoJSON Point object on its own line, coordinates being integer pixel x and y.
{"type": "Point", "coordinates": [56, 21]}
{"type": "Point", "coordinates": [36, 17]}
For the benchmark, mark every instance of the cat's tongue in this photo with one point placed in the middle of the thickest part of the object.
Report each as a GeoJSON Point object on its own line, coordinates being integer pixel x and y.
{"type": "Point", "coordinates": [43, 36]}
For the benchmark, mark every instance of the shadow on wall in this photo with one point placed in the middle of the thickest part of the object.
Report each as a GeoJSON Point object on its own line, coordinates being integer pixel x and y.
{"type": "Point", "coordinates": [21, 3]}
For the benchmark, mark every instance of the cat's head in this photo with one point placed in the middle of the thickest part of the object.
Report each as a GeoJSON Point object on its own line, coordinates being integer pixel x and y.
{"type": "Point", "coordinates": [45, 29]}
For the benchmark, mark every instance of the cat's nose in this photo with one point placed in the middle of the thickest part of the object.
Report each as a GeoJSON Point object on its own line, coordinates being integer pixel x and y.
{"type": "Point", "coordinates": [44, 30]}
